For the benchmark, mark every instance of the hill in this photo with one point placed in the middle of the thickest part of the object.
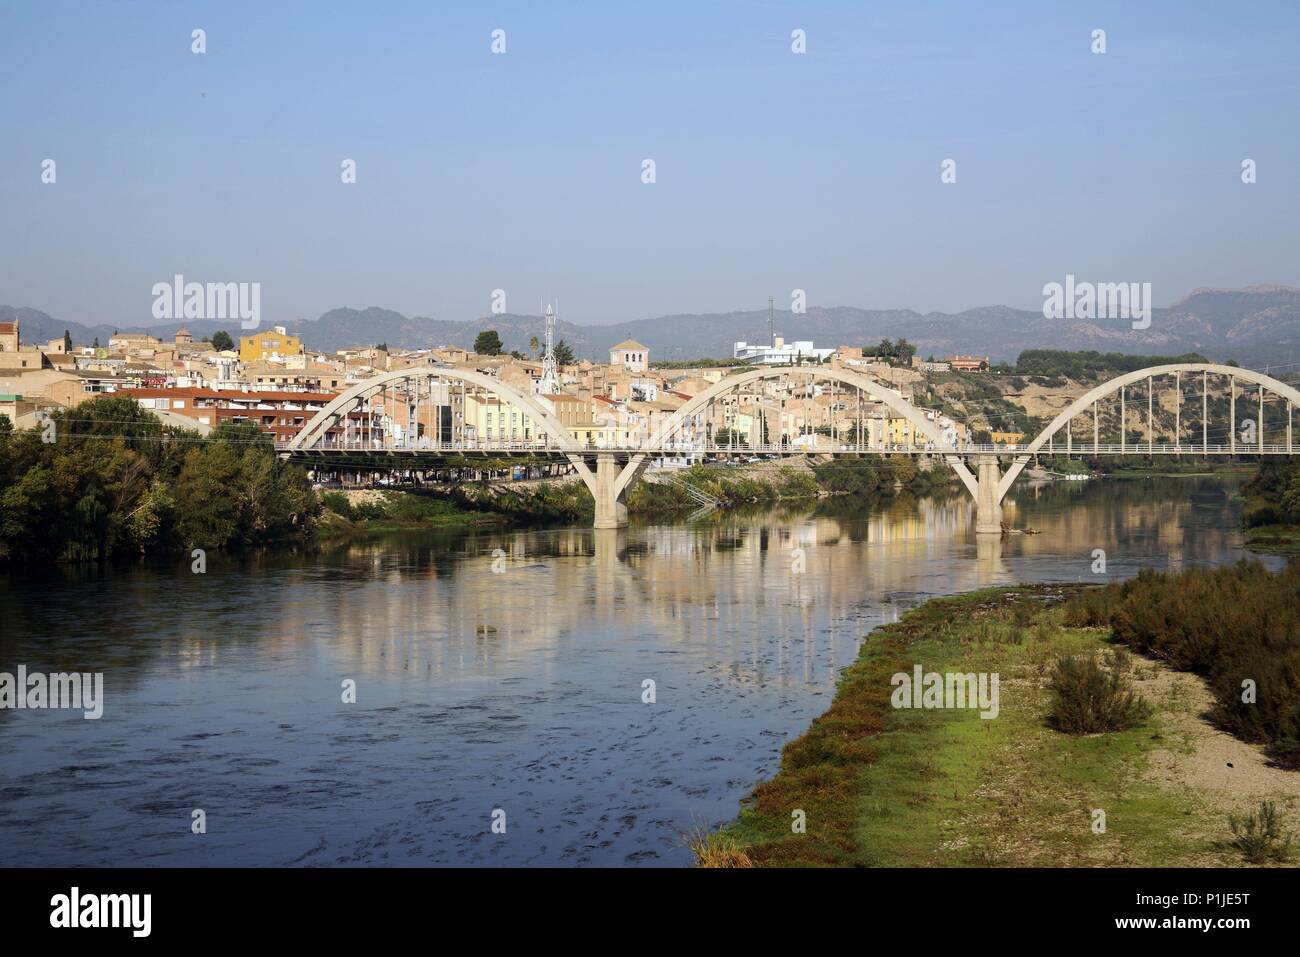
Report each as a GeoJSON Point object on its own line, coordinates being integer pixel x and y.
{"type": "Point", "coordinates": [1257, 325]}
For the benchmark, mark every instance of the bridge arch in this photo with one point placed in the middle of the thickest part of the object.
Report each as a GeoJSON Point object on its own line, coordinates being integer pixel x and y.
{"type": "Point", "coordinates": [1111, 386]}
{"type": "Point", "coordinates": [317, 427]}
{"type": "Point", "coordinates": [857, 380]}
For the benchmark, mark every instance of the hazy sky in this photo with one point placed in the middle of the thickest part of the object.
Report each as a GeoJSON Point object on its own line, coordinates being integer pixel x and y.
{"type": "Point", "coordinates": [522, 171]}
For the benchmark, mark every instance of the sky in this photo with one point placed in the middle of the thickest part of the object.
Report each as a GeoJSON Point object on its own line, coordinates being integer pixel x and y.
{"type": "Point", "coordinates": [523, 171]}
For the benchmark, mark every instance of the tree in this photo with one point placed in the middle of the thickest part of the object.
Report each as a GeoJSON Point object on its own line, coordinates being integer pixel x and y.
{"type": "Point", "coordinates": [564, 353]}
{"type": "Point", "coordinates": [488, 343]}
{"type": "Point", "coordinates": [903, 352]}
{"type": "Point", "coordinates": [534, 345]}
{"type": "Point", "coordinates": [221, 340]}
{"type": "Point", "coordinates": [96, 342]}
{"type": "Point", "coordinates": [733, 438]}
{"type": "Point", "coordinates": [67, 341]}
{"type": "Point", "coordinates": [117, 480]}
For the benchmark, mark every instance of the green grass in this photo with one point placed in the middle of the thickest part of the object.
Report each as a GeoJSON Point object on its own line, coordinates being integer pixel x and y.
{"type": "Point", "coordinates": [1280, 539]}
{"type": "Point", "coordinates": [887, 787]}
{"type": "Point", "coordinates": [395, 511]}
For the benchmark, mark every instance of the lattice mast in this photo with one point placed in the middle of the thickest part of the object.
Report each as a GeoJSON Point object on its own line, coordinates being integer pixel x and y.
{"type": "Point", "coordinates": [549, 384]}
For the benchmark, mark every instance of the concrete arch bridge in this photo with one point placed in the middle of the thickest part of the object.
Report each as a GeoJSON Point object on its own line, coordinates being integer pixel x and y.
{"type": "Point", "coordinates": [426, 414]}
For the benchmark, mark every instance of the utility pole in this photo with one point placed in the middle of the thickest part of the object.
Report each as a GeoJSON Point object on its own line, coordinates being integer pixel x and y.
{"type": "Point", "coordinates": [771, 321]}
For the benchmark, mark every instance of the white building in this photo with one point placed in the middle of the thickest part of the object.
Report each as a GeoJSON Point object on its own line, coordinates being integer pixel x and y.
{"type": "Point", "coordinates": [781, 353]}
{"type": "Point", "coordinates": [631, 355]}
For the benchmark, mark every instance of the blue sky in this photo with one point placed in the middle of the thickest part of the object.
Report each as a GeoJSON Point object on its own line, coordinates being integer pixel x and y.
{"type": "Point", "coordinates": [522, 171]}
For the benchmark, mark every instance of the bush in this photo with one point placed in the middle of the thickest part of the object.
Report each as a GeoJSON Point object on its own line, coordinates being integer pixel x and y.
{"type": "Point", "coordinates": [1259, 835]}
{"type": "Point", "coordinates": [116, 481]}
{"type": "Point", "coordinates": [1262, 513]}
{"type": "Point", "coordinates": [1238, 626]}
{"type": "Point", "coordinates": [1090, 699]}
{"type": "Point", "coordinates": [1090, 608]}
{"type": "Point", "coordinates": [337, 503]}
{"type": "Point", "coordinates": [717, 850]}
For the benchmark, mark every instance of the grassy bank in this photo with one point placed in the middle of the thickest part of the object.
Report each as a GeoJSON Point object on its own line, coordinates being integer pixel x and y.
{"type": "Point", "coordinates": [469, 505]}
{"type": "Point", "coordinates": [1275, 539]}
{"type": "Point", "coordinates": [870, 477]}
{"type": "Point", "coordinates": [1271, 511]}
{"type": "Point", "coordinates": [887, 787]}
{"type": "Point", "coordinates": [656, 498]}
{"type": "Point", "coordinates": [395, 511]}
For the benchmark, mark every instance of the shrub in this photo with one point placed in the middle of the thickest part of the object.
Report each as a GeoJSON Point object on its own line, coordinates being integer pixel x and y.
{"type": "Point", "coordinates": [1233, 625]}
{"type": "Point", "coordinates": [1263, 513]}
{"type": "Point", "coordinates": [1090, 608]}
{"type": "Point", "coordinates": [1022, 613]}
{"type": "Point", "coordinates": [1089, 699]}
{"type": "Point", "coordinates": [1259, 835]}
{"type": "Point", "coordinates": [713, 849]}
{"type": "Point", "coordinates": [337, 503]}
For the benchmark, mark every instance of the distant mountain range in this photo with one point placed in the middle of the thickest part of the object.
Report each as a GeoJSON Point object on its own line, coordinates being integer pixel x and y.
{"type": "Point", "coordinates": [1256, 326]}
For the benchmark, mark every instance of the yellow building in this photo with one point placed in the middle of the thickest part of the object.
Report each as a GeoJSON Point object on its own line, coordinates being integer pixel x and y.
{"type": "Point", "coordinates": [489, 419]}
{"type": "Point", "coordinates": [900, 431]}
{"type": "Point", "coordinates": [596, 435]}
{"type": "Point", "coordinates": [263, 345]}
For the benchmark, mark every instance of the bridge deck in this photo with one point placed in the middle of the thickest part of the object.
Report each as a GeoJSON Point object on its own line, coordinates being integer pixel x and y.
{"type": "Point", "coordinates": [513, 449]}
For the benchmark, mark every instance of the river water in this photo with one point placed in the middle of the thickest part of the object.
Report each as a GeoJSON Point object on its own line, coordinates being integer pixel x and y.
{"type": "Point", "coordinates": [499, 672]}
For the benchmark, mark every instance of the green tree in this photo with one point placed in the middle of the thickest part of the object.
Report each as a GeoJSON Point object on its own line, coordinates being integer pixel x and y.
{"type": "Point", "coordinates": [211, 516]}
{"type": "Point", "coordinates": [564, 353]}
{"type": "Point", "coordinates": [221, 341]}
{"type": "Point", "coordinates": [488, 343]}
{"type": "Point", "coordinates": [67, 341]}
{"type": "Point", "coordinates": [534, 345]}
{"type": "Point", "coordinates": [116, 480]}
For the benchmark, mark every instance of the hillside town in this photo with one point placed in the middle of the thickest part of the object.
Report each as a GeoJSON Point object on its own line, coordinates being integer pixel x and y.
{"type": "Point", "coordinates": [276, 380]}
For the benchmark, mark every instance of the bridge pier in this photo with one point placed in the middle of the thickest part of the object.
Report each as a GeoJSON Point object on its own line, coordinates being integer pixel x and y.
{"type": "Point", "coordinates": [611, 505]}
{"type": "Point", "coordinates": [988, 503]}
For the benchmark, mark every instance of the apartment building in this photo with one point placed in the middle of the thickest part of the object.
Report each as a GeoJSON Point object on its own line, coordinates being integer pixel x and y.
{"type": "Point", "coordinates": [279, 414]}
{"type": "Point", "coordinates": [264, 345]}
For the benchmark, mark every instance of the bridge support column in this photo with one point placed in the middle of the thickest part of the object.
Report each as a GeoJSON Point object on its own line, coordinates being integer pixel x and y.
{"type": "Point", "coordinates": [611, 510]}
{"type": "Point", "coordinates": [988, 504]}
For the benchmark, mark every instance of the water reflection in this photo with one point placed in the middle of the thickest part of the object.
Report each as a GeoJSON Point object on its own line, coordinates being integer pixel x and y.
{"type": "Point", "coordinates": [499, 669]}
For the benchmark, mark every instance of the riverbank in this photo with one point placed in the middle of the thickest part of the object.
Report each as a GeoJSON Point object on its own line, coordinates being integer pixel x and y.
{"type": "Point", "coordinates": [1274, 539]}
{"type": "Point", "coordinates": [1270, 509]}
{"type": "Point", "coordinates": [366, 512]}
{"type": "Point", "coordinates": [553, 501]}
{"type": "Point", "coordinates": [891, 787]}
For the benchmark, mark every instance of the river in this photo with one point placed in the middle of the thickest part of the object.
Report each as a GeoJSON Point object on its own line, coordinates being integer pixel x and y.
{"type": "Point", "coordinates": [499, 673]}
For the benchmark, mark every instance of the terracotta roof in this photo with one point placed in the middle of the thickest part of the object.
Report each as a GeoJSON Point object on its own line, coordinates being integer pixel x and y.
{"type": "Point", "coordinates": [230, 394]}
{"type": "Point", "coordinates": [627, 344]}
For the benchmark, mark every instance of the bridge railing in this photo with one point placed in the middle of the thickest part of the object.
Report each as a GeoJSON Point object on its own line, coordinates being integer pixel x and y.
{"type": "Point", "coordinates": [544, 445]}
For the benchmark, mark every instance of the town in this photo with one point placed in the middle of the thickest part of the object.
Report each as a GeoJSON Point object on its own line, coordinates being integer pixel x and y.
{"type": "Point", "coordinates": [278, 382]}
